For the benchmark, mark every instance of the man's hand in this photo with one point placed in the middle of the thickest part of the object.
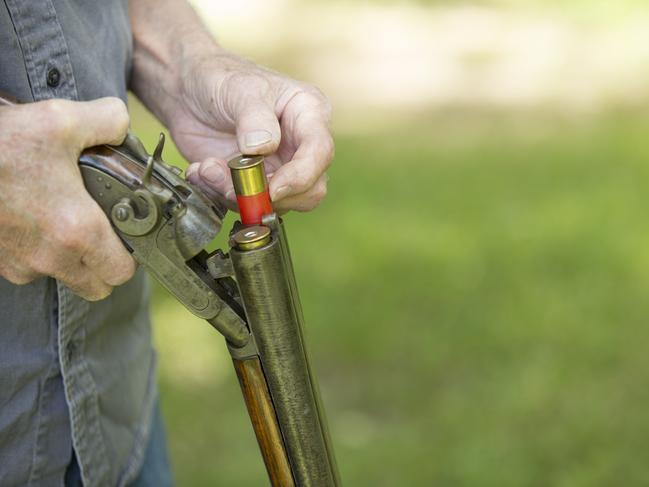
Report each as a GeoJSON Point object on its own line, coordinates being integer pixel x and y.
{"type": "Point", "coordinates": [231, 106]}
{"type": "Point", "coordinates": [49, 224]}
{"type": "Point", "coordinates": [217, 105]}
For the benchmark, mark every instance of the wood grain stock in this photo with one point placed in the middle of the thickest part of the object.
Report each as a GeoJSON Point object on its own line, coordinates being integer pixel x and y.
{"type": "Point", "coordinates": [264, 422]}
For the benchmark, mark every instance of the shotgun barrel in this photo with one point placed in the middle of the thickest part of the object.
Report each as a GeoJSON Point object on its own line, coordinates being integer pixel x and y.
{"type": "Point", "coordinates": [267, 284]}
{"type": "Point", "coordinates": [264, 274]}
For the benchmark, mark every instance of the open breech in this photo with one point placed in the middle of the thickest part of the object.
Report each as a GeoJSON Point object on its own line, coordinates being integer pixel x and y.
{"type": "Point", "coordinates": [248, 294]}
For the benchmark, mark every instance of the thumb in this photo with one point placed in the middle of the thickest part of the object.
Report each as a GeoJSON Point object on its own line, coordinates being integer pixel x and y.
{"type": "Point", "coordinates": [101, 121]}
{"type": "Point", "coordinates": [258, 129]}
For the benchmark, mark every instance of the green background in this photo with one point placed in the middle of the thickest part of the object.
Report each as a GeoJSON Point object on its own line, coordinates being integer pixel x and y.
{"type": "Point", "coordinates": [475, 289]}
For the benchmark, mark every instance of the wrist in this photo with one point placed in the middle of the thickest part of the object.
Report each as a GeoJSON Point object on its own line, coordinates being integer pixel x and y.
{"type": "Point", "coordinates": [168, 41]}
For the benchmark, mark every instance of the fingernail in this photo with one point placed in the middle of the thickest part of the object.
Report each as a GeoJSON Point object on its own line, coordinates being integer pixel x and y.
{"type": "Point", "coordinates": [213, 173]}
{"type": "Point", "coordinates": [258, 137]}
{"type": "Point", "coordinates": [230, 195]}
{"type": "Point", "coordinates": [281, 192]}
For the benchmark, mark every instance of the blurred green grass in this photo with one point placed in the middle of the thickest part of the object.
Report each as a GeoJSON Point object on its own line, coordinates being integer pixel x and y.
{"type": "Point", "coordinates": [475, 289]}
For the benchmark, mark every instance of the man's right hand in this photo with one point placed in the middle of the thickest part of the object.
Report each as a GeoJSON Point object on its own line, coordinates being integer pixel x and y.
{"type": "Point", "coordinates": [49, 224]}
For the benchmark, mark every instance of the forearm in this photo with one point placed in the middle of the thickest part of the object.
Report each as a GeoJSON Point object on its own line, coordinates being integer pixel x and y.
{"type": "Point", "coordinates": [168, 39]}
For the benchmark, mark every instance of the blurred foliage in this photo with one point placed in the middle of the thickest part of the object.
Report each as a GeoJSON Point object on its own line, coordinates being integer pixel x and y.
{"type": "Point", "coordinates": [579, 4]}
{"type": "Point", "coordinates": [475, 288]}
{"type": "Point", "coordinates": [592, 9]}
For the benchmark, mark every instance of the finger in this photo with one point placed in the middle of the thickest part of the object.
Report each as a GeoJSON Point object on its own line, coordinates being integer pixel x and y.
{"type": "Point", "coordinates": [311, 159]}
{"type": "Point", "coordinates": [79, 278]}
{"type": "Point", "coordinates": [306, 201]}
{"type": "Point", "coordinates": [83, 252]}
{"type": "Point", "coordinates": [190, 172]}
{"type": "Point", "coordinates": [90, 123]}
{"type": "Point", "coordinates": [106, 256]}
{"type": "Point", "coordinates": [210, 144]}
{"type": "Point", "coordinates": [257, 127]}
{"type": "Point", "coordinates": [84, 283]}
{"type": "Point", "coordinates": [19, 275]}
{"type": "Point", "coordinates": [194, 178]}
{"type": "Point", "coordinates": [216, 175]}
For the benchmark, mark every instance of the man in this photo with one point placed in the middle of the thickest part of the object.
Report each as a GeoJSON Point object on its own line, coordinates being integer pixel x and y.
{"type": "Point", "coordinates": [77, 382]}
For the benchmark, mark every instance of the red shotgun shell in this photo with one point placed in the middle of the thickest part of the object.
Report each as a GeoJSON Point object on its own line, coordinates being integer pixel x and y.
{"type": "Point", "coordinates": [251, 188]}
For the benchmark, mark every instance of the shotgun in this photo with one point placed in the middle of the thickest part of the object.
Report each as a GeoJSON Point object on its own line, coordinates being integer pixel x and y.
{"type": "Point", "coordinates": [249, 294]}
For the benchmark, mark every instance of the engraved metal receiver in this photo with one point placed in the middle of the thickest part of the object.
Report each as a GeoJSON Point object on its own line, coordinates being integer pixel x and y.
{"type": "Point", "coordinates": [166, 223]}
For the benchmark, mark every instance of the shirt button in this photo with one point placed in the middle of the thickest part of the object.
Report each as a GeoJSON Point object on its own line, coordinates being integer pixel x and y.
{"type": "Point", "coordinates": [53, 78]}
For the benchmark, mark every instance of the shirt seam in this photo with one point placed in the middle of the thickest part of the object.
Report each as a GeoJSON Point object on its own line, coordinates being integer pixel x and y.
{"type": "Point", "coordinates": [65, 53]}
{"type": "Point", "coordinates": [23, 41]}
{"type": "Point", "coordinates": [37, 434]}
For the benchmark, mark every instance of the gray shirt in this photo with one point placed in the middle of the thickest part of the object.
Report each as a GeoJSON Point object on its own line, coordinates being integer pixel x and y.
{"type": "Point", "coordinates": [71, 372]}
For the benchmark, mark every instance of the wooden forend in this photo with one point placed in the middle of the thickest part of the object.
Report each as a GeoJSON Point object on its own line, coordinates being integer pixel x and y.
{"type": "Point", "coordinates": [264, 421]}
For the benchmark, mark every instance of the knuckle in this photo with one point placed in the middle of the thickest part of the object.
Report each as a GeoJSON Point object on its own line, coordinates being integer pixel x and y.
{"type": "Point", "coordinates": [89, 288]}
{"type": "Point", "coordinates": [255, 81]}
{"type": "Point", "coordinates": [124, 272]}
{"type": "Point", "coordinates": [320, 191]}
{"type": "Point", "coordinates": [235, 92]}
{"type": "Point", "coordinates": [321, 100]}
{"type": "Point", "coordinates": [44, 265]}
{"type": "Point", "coordinates": [121, 117]}
{"type": "Point", "coordinates": [58, 118]}
{"type": "Point", "coordinates": [306, 204]}
{"type": "Point", "coordinates": [54, 107]}
{"type": "Point", "coordinates": [329, 149]}
{"type": "Point", "coordinates": [207, 172]}
{"type": "Point", "coordinates": [18, 278]}
{"type": "Point", "coordinates": [301, 182]}
{"type": "Point", "coordinates": [314, 92]}
{"type": "Point", "coordinates": [71, 240]}
{"type": "Point", "coordinates": [72, 231]}
{"type": "Point", "coordinates": [98, 294]}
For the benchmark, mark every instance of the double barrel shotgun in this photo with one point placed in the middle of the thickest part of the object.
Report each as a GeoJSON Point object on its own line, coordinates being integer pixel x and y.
{"type": "Point", "coordinates": [249, 294]}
